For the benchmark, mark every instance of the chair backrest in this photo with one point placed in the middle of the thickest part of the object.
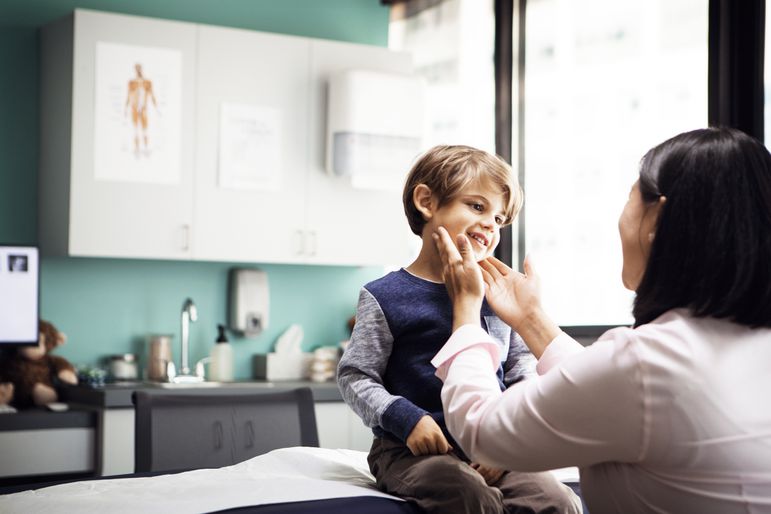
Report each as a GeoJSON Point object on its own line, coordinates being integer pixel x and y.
{"type": "Point", "coordinates": [185, 430]}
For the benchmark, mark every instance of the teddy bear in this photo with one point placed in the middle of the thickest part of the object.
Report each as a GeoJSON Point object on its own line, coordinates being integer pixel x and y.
{"type": "Point", "coordinates": [28, 375]}
{"type": "Point", "coordinates": [6, 394]}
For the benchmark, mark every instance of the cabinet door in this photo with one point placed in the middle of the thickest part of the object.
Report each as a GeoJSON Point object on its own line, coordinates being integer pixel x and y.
{"type": "Point", "coordinates": [252, 146]}
{"type": "Point", "coordinates": [332, 424]}
{"type": "Point", "coordinates": [130, 168]}
{"type": "Point", "coordinates": [348, 225]}
{"type": "Point", "coordinates": [45, 452]}
{"type": "Point", "coordinates": [340, 427]}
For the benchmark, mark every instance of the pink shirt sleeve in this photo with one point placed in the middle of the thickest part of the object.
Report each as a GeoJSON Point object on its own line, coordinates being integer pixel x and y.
{"type": "Point", "coordinates": [589, 409]}
{"type": "Point", "coordinates": [561, 347]}
{"type": "Point", "coordinates": [467, 336]}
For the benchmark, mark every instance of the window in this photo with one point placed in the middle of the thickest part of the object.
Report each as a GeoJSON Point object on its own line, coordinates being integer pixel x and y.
{"type": "Point", "coordinates": [452, 44]}
{"type": "Point", "coordinates": [605, 80]}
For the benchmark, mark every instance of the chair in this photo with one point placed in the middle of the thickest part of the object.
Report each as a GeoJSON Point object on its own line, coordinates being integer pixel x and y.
{"type": "Point", "coordinates": [184, 430]}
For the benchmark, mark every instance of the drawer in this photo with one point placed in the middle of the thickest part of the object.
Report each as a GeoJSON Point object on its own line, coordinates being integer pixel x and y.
{"type": "Point", "coordinates": [46, 452]}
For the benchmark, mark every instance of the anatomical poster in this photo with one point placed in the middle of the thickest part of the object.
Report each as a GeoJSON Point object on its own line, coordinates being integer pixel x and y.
{"type": "Point", "coordinates": [138, 113]}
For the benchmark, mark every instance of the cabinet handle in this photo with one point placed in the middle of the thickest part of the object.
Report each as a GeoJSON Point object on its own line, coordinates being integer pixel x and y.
{"type": "Point", "coordinates": [300, 240]}
{"type": "Point", "coordinates": [249, 432]}
{"type": "Point", "coordinates": [313, 243]}
{"type": "Point", "coordinates": [217, 435]}
{"type": "Point", "coordinates": [185, 237]}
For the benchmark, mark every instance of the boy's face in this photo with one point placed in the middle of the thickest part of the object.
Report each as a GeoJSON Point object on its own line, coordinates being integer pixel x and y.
{"type": "Point", "coordinates": [478, 212]}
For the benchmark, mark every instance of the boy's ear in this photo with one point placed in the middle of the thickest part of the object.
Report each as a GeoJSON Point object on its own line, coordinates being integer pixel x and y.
{"type": "Point", "coordinates": [423, 199]}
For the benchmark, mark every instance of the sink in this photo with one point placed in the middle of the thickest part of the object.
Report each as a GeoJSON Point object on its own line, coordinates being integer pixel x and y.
{"type": "Point", "coordinates": [185, 385]}
{"type": "Point", "coordinates": [199, 385]}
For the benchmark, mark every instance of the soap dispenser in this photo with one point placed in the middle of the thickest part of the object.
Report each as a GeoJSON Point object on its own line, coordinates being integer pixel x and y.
{"type": "Point", "coordinates": [221, 365]}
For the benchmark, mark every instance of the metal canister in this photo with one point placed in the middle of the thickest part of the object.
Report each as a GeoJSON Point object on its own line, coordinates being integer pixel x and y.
{"type": "Point", "coordinates": [158, 357]}
{"type": "Point", "coordinates": [123, 366]}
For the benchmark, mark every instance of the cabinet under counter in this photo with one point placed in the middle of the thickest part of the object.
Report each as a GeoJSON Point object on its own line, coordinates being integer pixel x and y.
{"type": "Point", "coordinates": [338, 426]}
{"type": "Point", "coordinates": [38, 445]}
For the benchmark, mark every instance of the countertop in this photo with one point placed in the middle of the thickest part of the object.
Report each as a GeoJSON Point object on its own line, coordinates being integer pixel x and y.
{"type": "Point", "coordinates": [86, 401]}
{"type": "Point", "coordinates": [39, 419]}
{"type": "Point", "coordinates": [116, 396]}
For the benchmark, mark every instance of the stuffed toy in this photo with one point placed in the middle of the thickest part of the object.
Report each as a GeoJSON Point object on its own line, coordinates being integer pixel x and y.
{"type": "Point", "coordinates": [33, 373]}
{"type": "Point", "coordinates": [6, 394]}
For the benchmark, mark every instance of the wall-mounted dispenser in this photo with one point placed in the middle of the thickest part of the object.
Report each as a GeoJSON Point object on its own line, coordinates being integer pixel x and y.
{"type": "Point", "coordinates": [375, 126]}
{"type": "Point", "coordinates": [248, 301]}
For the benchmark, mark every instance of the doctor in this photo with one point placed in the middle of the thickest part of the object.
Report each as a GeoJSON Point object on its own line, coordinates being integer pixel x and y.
{"type": "Point", "coordinates": [672, 414]}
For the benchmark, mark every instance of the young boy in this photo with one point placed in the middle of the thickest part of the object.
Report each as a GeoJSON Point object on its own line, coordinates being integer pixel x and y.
{"type": "Point", "coordinates": [402, 321]}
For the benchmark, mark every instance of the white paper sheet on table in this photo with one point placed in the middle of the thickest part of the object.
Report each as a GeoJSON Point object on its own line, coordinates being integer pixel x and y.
{"type": "Point", "coordinates": [284, 475]}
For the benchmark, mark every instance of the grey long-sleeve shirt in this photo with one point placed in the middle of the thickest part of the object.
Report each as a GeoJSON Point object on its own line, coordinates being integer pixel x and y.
{"type": "Point", "coordinates": [386, 375]}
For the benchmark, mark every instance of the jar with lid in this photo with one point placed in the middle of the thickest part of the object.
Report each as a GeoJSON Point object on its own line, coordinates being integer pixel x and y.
{"type": "Point", "coordinates": [123, 366]}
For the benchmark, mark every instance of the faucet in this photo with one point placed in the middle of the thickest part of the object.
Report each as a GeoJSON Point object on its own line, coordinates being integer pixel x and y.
{"type": "Point", "coordinates": [189, 314]}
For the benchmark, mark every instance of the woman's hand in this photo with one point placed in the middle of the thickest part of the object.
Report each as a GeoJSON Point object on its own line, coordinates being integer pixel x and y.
{"type": "Point", "coordinates": [491, 475]}
{"type": "Point", "coordinates": [462, 276]}
{"type": "Point", "coordinates": [516, 299]}
{"type": "Point", "coordinates": [511, 294]}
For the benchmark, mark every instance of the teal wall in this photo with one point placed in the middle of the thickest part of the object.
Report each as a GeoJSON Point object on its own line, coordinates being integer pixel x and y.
{"type": "Point", "coordinates": [108, 306]}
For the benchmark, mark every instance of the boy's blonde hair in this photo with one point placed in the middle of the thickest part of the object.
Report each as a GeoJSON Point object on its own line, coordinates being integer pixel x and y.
{"type": "Point", "coordinates": [447, 170]}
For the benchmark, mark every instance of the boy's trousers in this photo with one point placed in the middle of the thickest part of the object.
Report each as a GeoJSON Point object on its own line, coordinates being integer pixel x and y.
{"type": "Point", "coordinates": [447, 484]}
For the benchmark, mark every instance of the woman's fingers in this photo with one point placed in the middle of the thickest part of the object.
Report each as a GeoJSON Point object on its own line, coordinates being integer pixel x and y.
{"type": "Point", "coordinates": [464, 247]}
{"type": "Point", "coordinates": [499, 266]}
{"type": "Point", "coordinates": [491, 270]}
{"type": "Point", "coordinates": [486, 275]}
{"type": "Point", "coordinates": [447, 250]}
{"type": "Point", "coordinates": [527, 266]}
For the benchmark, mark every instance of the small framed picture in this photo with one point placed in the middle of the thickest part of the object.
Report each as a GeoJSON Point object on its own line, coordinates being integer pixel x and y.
{"type": "Point", "coordinates": [17, 263]}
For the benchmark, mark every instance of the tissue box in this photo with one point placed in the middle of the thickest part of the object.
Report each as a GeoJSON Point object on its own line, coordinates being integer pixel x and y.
{"type": "Point", "coordinates": [281, 366]}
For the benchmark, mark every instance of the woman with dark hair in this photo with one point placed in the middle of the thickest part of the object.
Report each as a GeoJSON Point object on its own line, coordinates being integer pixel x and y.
{"type": "Point", "coordinates": [670, 415]}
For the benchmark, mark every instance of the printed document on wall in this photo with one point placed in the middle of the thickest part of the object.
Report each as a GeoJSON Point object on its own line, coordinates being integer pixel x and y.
{"type": "Point", "coordinates": [138, 114]}
{"type": "Point", "coordinates": [250, 142]}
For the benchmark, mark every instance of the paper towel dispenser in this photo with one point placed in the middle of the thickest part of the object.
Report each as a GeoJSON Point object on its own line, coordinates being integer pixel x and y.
{"type": "Point", "coordinates": [248, 301]}
{"type": "Point", "coordinates": [375, 126]}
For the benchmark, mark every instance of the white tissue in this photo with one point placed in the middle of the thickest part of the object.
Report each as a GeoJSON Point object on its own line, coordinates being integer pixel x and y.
{"type": "Point", "coordinates": [291, 340]}
{"type": "Point", "coordinates": [287, 361]}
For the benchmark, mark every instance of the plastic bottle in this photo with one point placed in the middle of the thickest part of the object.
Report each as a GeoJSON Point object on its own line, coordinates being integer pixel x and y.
{"type": "Point", "coordinates": [221, 365]}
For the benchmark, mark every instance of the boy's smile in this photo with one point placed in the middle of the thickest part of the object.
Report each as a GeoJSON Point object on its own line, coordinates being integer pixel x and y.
{"type": "Point", "coordinates": [478, 212]}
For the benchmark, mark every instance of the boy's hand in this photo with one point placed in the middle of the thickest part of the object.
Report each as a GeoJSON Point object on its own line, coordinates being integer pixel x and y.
{"type": "Point", "coordinates": [491, 475]}
{"type": "Point", "coordinates": [427, 438]}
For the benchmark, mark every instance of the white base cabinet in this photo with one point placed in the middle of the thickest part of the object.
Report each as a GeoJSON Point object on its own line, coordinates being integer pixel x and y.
{"type": "Point", "coordinates": [340, 427]}
{"type": "Point", "coordinates": [116, 442]}
{"type": "Point", "coordinates": [46, 452]}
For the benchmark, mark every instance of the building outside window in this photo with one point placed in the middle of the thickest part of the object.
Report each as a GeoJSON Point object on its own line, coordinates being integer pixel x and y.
{"type": "Point", "coordinates": [605, 80]}
{"type": "Point", "coordinates": [452, 44]}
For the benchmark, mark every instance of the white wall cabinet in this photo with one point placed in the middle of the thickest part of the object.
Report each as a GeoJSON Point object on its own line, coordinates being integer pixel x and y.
{"type": "Point", "coordinates": [81, 215]}
{"type": "Point", "coordinates": [303, 216]}
{"type": "Point", "coordinates": [268, 72]}
{"type": "Point", "coordinates": [349, 225]}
